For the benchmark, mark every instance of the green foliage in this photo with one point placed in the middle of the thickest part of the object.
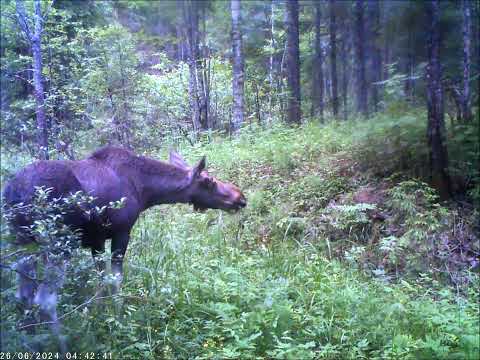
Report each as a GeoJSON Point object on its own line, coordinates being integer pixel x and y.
{"type": "Point", "coordinates": [63, 55]}
{"type": "Point", "coordinates": [316, 191]}
{"type": "Point", "coordinates": [270, 282]}
{"type": "Point", "coordinates": [47, 229]}
{"type": "Point", "coordinates": [349, 218]}
{"type": "Point", "coordinates": [387, 146]}
{"type": "Point", "coordinates": [415, 205]}
{"type": "Point", "coordinates": [52, 239]}
{"type": "Point", "coordinates": [112, 81]}
{"type": "Point", "coordinates": [315, 267]}
{"type": "Point", "coordinates": [464, 152]}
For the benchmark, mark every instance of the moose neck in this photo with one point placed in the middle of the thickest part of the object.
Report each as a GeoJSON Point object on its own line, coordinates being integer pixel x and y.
{"type": "Point", "coordinates": [162, 183]}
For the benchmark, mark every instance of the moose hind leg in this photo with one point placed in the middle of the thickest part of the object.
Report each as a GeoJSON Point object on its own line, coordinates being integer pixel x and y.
{"type": "Point", "coordinates": [47, 296]}
{"type": "Point", "coordinates": [26, 275]}
{"type": "Point", "coordinates": [27, 285]}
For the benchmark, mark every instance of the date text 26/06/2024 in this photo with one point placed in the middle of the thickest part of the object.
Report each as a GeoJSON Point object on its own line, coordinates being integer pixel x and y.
{"type": "Point", "coordinates": [55, 356]}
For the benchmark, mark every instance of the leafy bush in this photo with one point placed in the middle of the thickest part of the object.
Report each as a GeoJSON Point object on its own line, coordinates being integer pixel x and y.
{"type": "Point", "coordinates": [52, 239]}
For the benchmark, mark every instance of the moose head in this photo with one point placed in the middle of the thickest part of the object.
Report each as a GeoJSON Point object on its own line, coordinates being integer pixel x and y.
{"type": "Point", "coordinates": [206, 191]}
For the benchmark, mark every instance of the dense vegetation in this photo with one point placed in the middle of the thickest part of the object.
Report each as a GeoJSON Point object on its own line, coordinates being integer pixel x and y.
{"type": "Point", "coordinates": [307, 270]}
{"type": "Point", "coordinates": [348, 248]}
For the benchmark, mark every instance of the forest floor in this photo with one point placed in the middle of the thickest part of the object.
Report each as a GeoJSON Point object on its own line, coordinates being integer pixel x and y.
{"type": "Point", "coordinates": [342, 253]}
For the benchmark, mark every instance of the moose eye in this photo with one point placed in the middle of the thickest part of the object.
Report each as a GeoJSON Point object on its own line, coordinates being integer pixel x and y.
{"type": "Point", "coordinates": [210, 184]}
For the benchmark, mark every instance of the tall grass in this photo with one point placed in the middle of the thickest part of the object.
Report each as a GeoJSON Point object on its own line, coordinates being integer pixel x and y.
{"type": "Point", "coordinates": [269, 282]}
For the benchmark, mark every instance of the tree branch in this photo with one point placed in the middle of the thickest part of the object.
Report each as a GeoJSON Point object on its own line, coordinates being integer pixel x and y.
{"type": "Point", "coordinates": [23, 20]}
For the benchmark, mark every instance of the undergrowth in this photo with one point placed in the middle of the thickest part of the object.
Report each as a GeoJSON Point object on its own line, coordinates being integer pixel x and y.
{"type": "Point", "coordinates": [343, 252]}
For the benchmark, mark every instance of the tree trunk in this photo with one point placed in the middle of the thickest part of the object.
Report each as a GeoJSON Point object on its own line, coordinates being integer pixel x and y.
{"type": "Point", "coordinates": [409, 65]}
{"type": "Point", "coordinates": [328, 87]}
{"type": "Point", "coordinates": [238, 66]}
{"type": "Point", "coordinates": [179, 30]}
{"type": "Point", "coordinates": [258, 108]}
{"type": "Point", "coordinates": [361, 91]}
{"type": "Point", "coordinates": [374, 54]}
{"type": "Point", "coordinates": [410, 60]}
{"type": "Point", "coordinates": [318, 82]}
{"type": "Point", "coordinates": [333, 57]}
{"type": "Point", "coordinates": [126, 130]}
{"type": "Point", "coordinates": [191, 37]}
{"type": "Point", "coordinates": [35, 39]}
{"type": "Point", "coordinates": [293, 62]}
{"type": "Point", "coordinates": [386, 57]}
{"type": "Point", "coordinates": [467, 35]}
{"type": "Point", "coordinates": [476, 31]}
{"type": "Point", "coordinates": [345, 50]}
{"type": "Point", "coordinates": [201, 65]}
{"type": "Point", "coordinates": [271, 59]}
{"type": "Point", "coordinates": [435, 104]}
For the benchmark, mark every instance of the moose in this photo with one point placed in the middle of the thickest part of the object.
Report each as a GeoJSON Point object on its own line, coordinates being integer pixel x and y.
{"type": "Point", "coordinates": [109, 174]}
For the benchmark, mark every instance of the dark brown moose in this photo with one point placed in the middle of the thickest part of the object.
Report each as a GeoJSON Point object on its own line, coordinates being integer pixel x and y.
{"type": "Point", "coordinates": [109, 174]}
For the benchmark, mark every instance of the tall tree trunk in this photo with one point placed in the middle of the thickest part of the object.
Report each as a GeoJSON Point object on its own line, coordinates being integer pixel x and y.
{"type": "Point", "coordinates": [35, 39]}
{"type": "Point", "coordinates": [238, 67]}
{"type": "Point", "coordinates": [476, 45]}
{"type": "Point", "coordinates": [344, 58]}
{"type": "Point", "coordinates": [125, 125]}
{"type": "Point", "coordinates": [191, 37]}
{"type": "Point", "coordinates": [179, 30]}
{"type": "Point", "coordinates": [314, 79]}
{"type": "Point", "coordinates": [374, 54]}
{"type": "Point", "coordinates": [271, 59]}
{"type": "Point", "coordinates": [333, 57]}
{"type": "Point", "coordinates": [386, 57]}
{"type": "Point", "coordinates": [318, 82]}
{"type": "Point", "coordinates": [344, 51]}
{"type": "Point", "coordinates": [435, 104]}
{"type": "Point", "coordinates": [410, 60]}
{"type": "Point", "coordinates": [201, 65]}
{"type": "Point", "coordinates": [328, 87]}
{"type": "Point", "coordinates": [293, 62]}
{"type": "Point", "coordinates": [361, 91]}
{"type": "Point", "coordinates": [467, 35]}
{"type": "Point", "coordinates": [409, 65]}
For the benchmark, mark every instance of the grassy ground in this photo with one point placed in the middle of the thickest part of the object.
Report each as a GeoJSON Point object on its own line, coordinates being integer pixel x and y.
{"type": "Point", "coordinates": [340, 254]}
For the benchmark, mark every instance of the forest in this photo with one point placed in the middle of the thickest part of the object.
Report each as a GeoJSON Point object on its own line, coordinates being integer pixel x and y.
{"type": "Point", "coordinates": [330, 150]}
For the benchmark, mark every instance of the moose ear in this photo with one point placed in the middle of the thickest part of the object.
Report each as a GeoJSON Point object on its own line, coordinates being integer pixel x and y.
{"type": "Point", "coordinates": [176, 159]}
{"type": "Point", "coordinates": [200, 167]}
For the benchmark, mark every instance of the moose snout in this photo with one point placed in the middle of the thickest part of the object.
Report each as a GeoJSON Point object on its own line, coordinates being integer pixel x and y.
{"type": "Point", "coordinates": [241, 201]}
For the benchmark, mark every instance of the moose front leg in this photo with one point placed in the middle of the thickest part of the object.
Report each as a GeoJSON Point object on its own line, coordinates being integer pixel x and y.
{"type": "Point", "coordinates": [119, 247]}
{"type": "Point", "coordinates": [98, 252]}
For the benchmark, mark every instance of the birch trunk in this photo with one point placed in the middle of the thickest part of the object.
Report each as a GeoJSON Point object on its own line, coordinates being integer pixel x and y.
{"type": "Point", "coordinates": [238, 67]}
{"type": "Point", "coordinates": [293, 62]}
{"type": "Point", "coordinates": [318, 86]}
{"type": "Point", "coordinates": [35, 39]}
